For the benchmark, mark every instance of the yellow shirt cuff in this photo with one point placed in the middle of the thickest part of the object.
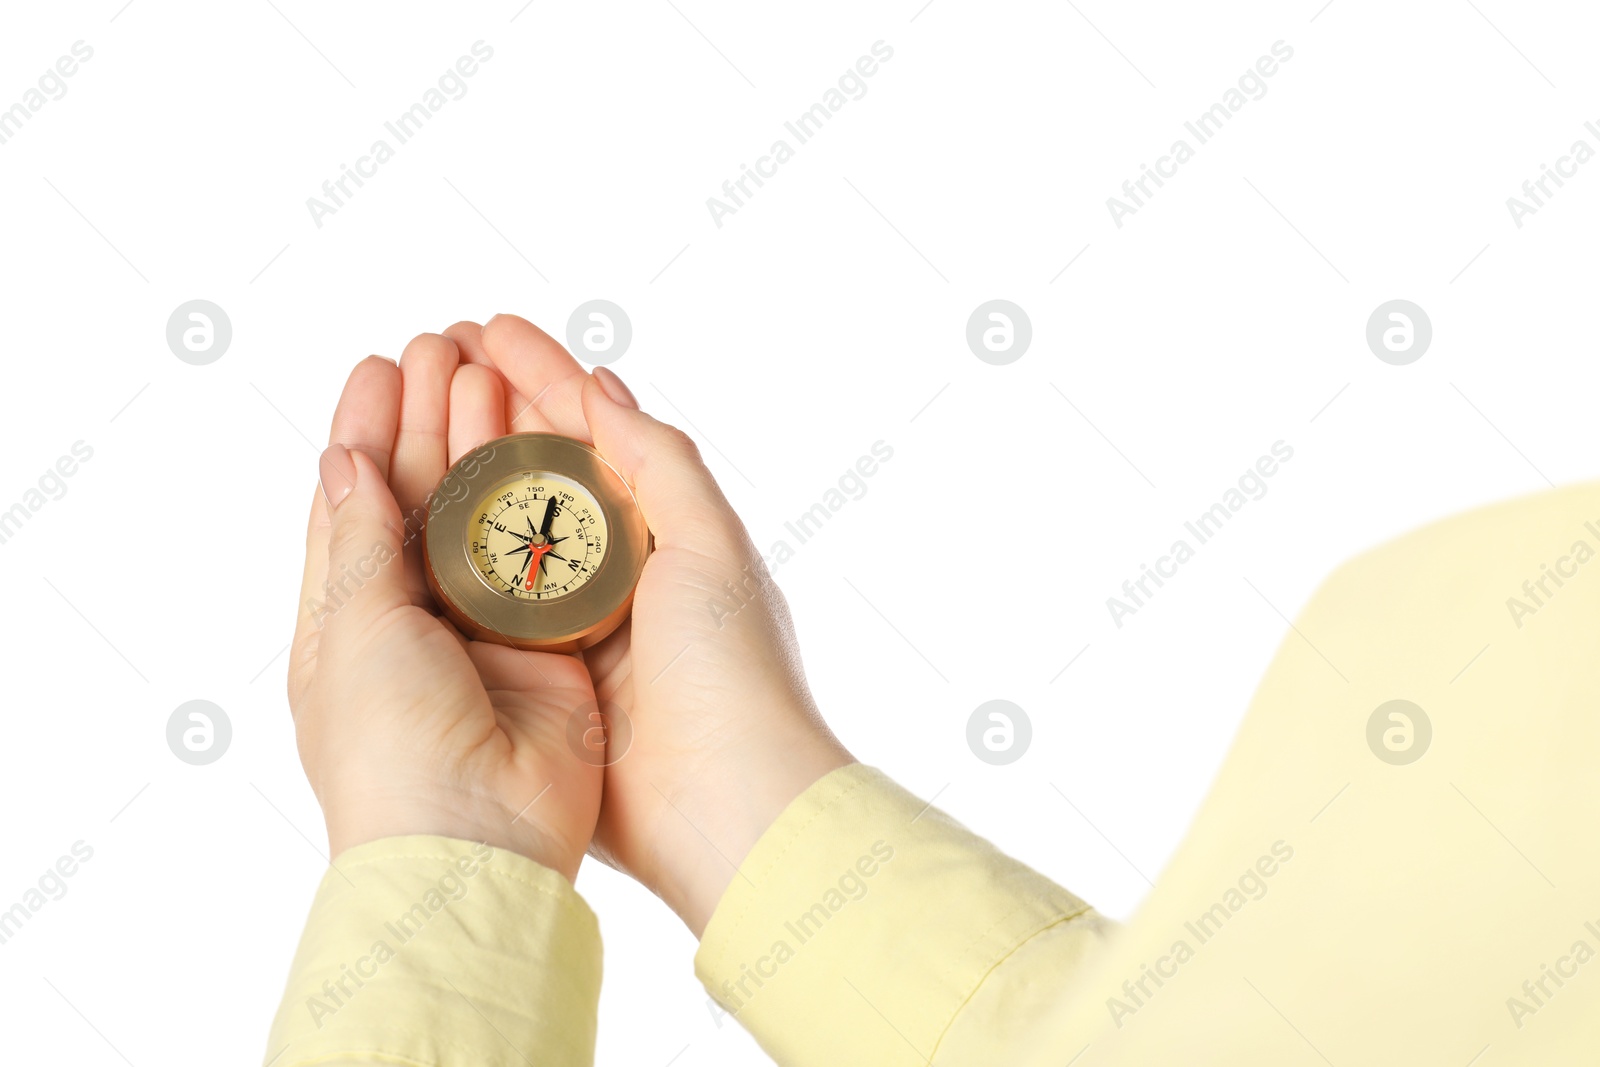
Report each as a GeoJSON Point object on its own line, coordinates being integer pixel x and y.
{"type": "Point", "coordinates": [863, 921]}
{"type": "Point", "coordinates": [433, 952]}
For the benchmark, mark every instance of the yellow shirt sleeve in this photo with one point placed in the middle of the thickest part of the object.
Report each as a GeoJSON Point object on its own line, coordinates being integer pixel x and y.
{"type": "Point", "coordinates": [432, 952]}
{"type": "Point", "coordinates": [1368, 882]}
{"type": "Point", "coordinates": [864, 921]}
{"type": "Point", "coordinates": [1397, 862]}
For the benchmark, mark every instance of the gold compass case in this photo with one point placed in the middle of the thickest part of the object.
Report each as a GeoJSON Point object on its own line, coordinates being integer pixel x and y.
{"type": "Point", "coordinates": [492, 527]}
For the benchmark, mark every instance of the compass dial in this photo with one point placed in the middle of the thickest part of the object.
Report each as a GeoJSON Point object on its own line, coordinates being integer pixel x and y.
{"type": "Point", "coordinates": [534, 541]}
{"type": "Point", "coordinates": [538, 536]}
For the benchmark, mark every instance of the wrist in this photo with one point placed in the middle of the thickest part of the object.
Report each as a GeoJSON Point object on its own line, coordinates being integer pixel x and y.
{"type": "Point", "coordinates": [372, 816]}
{"type": "Point", "coordinates": [707, 830]}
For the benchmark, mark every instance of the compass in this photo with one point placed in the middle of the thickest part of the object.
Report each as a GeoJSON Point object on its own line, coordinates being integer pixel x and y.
{"type": "Point", "coordinates": [534, 541]}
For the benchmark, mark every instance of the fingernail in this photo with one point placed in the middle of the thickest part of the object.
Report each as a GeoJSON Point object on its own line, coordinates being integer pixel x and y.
{"type": "Point", "coordinates": [613, 387]}
{"type": "Point", "coordinates": [338, 472]}
{"type": "Point", "coordinates": [488, 322]}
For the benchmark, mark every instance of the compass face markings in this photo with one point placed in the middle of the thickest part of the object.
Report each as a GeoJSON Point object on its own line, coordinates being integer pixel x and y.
{"type": "Point", "coordinates": [537, 536]}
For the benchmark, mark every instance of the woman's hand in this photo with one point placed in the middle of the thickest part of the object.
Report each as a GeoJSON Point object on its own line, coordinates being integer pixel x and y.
{"type": "Point", "coordinates": [724, 731]}
{"type": "Point", "coordinates": [403, 725]}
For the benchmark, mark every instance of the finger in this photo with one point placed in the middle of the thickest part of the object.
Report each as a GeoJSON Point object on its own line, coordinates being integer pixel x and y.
{"type": "Point", "coordinates": [503, 667]}
{"type": "Point", "coordinates": [303, 646]}
{"type": "Point", "coordinates": [369, 410]}
{"type": "Point", "coordinates": [681, 501]}
{"type": "Point", "coordinates": [609, 663]}
{"type": "Point", "coordinates": [468, 337]}
{"type": "Point", "coordinates": [366, 583]}
{"type": "Point", "coordinates": [477, 408]}
{"type": "Point", "coordinates": [524, 416]}
{"type": "Point", "coordinates": [365, 420]}
{"type": "Point", "coordinates": [426, 368]}
{"type": "Point", "coordinates": [520, 416]}
{"type": "Point", "coordinates": [541, 370]}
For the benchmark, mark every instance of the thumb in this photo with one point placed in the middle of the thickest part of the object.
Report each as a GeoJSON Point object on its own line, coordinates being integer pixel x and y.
{"type": "Point", "coordinates": [681, 501]}
{"type": "Point", "coordinates": [365, 579]}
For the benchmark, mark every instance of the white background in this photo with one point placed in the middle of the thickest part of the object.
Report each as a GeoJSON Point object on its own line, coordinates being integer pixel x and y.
{"type": "Point", "coordinates": [827, 314]}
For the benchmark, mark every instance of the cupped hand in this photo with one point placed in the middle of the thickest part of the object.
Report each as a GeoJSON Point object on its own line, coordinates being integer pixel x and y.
{"type": "Point", "coordinates": [403, 725]}
{"type": "Point", "coordinates": [724, 733]}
